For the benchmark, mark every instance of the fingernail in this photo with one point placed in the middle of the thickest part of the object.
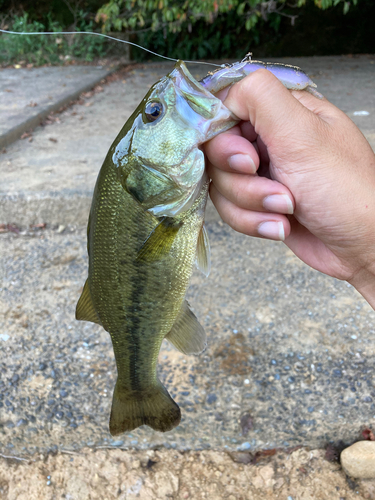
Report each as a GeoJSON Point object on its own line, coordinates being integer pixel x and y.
{"type": "Point", "coordinates": [242, 163]}
{"type": "Point", "coordinates": [280, 203]}
{"type": "Point", "coordinates": [272, 229]}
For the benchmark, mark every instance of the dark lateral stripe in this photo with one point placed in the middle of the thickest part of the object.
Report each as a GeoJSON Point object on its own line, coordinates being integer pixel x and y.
{"type": "Point", "coordinates": [138, 288]}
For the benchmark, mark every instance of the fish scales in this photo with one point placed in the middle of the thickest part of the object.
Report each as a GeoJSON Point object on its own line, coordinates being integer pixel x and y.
{"type": "Point", "coordinates": [145, 232]}
{"type": "Point", "coordinates": [136, 301]}
{"type": "Point", "coordinates": [124, 283]}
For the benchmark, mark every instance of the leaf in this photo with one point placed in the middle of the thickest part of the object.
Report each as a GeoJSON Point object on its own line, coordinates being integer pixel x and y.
{"type": "Point", "coordinates": [368, 435]}
{"type": "Point", "coordinates": [241, 8]}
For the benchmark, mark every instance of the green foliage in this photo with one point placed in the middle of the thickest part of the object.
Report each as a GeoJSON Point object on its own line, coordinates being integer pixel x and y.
{"type": "Point", "coordinates": [187, 29]}
{"type": "Point", "coordinates": [232, 34]}
{"type": "Point", "coordinates": [48, 49]}
{"type": "Point", "coordinates": [141, 15]}
{"type": "Point", "coordinates": [326, 4]}
{"type": "Point", "coordinates": [223, 38]}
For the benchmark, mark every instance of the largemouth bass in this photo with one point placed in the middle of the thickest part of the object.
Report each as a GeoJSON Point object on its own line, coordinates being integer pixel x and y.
{"type": "Point", "coordinates": [145, 232]}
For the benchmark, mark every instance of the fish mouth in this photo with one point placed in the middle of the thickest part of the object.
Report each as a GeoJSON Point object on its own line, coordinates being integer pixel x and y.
{"type": "Point", "coordinates": [197, 106]}
{"type": "Point", "coordinates": [184, 80]}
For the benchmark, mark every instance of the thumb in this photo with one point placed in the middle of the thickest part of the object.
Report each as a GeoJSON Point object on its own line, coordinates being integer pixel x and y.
{"type": "Point", "coordinates": [272, 110]}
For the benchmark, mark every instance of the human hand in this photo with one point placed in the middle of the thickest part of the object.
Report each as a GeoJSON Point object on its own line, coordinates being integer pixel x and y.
{"type": "Point", "coordinates": [303, 156]}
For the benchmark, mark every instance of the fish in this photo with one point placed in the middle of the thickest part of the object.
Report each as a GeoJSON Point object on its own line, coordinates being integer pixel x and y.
{"type": "Point", "coordinates": [145, 233]}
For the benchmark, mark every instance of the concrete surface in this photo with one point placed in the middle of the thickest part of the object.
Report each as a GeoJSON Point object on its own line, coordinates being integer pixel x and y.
{"type": "Point", "coordinates": [27, 96]}
{"type": "Point", "coordinates": [291, 352]}
{"type": "Point", "coordinates": [291, 348]}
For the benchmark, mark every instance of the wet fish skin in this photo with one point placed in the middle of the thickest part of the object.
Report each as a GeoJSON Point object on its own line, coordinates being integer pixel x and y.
{"type": "Point", "coordinates": [145, 232]}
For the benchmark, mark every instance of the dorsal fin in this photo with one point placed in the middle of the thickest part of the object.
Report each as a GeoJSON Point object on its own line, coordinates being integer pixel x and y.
{"type": "Point", "coordinates": [85, 310]}
{"type": "Point", "coordinates": [187, 334]}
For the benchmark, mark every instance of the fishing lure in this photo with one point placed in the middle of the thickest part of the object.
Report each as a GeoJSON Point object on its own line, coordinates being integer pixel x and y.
{"type": "Point", "coordinates": [292, 77]}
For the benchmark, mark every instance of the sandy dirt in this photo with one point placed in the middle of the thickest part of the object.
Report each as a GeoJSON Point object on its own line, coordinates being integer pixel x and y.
{"type": "Point", "coordinates": [168, 474]}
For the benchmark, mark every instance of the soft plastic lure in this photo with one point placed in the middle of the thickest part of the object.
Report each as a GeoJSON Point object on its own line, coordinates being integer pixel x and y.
{"type": "Point", "coordinates": [291, 76]}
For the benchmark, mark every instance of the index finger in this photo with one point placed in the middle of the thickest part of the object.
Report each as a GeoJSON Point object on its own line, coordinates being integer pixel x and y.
{"type": "Point", "coordinates": [230, 151]}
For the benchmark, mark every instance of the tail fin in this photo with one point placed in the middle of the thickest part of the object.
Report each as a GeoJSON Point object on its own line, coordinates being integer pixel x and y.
{"type": "Point", "coordinates": [153, 407]}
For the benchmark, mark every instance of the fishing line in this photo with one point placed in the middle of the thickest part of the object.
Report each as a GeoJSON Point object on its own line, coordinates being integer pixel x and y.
{"type": "Point", "coordinates": [105, 36]}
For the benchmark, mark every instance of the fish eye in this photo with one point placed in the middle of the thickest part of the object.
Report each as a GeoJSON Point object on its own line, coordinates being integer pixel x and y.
{"type": "Point", "coordinates": [153, 110]}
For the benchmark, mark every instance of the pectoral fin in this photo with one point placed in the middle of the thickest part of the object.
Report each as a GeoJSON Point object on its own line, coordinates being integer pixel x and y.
{"type": "Point", "coordinates": [85, 310]}
{"type": "Point", "coordinates": [203, 257]}
{"type": "Point", "coordinates": [160, 241]}
{"type": "Point", "coordinates": [187, 334]}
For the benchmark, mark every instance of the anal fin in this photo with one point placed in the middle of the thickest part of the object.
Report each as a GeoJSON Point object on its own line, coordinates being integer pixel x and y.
{"type": "Point", "coordinates": [85, 310]}
{"type": "Point", "coordinates": [187, 334]}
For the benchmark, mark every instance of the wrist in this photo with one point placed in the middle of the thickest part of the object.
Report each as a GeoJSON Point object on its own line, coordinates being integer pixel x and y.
{"type": "Point", "coordinates": [364, 282]}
